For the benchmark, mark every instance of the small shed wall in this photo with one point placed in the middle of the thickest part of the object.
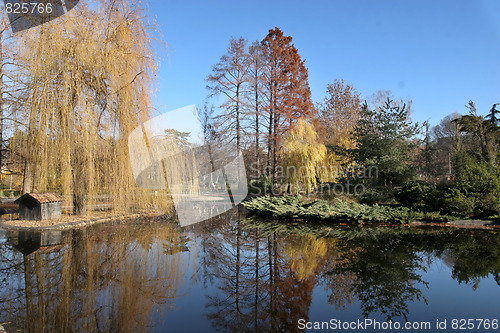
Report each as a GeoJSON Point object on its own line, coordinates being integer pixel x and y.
{"type": "Point", "coordinates": [25, 213]}
{"type": "Point", "coordinates": [51, 210]}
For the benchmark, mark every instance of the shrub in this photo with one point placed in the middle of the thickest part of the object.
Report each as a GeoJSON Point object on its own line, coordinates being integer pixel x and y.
{"type": "Point", "coordinates": [376, 195]}
{"type": "Point", "coordinates": [459, 202]}
{"type": "Point", "coordinates": [477, 186]}
{"type": "Point", "coordinates": [263, 186]}
{"type": "Point", "coordinates": [415, 193]}
{"type": "Point", "coordinates": [437, 217]}
{"type": "Point", "coordinates": [292, 207]}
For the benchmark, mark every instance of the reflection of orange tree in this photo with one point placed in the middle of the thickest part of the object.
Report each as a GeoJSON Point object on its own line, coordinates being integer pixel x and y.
{"type": "Point", "coordinates": [103, 280]}
{"type": "Point", "coordinates": [296, 261]}
{"type": "Point", "coordinates": [312, 256]}
{"type": "Point", "coordinates": [376, 266]}
{"type": "Point", "coordinates": [380, 266]}
{"type": "Point", "coordinates": [306, 256]}
{"type": "Point", "coordinates": [261, 285]}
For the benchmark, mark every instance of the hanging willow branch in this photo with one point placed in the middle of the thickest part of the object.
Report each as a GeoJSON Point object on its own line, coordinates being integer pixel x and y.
{"type": "Point", "coordinates": [79, 107]}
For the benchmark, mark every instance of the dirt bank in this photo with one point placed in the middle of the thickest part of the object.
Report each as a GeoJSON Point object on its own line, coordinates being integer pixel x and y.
{"type": "Point", "coordinates": [71, 222]}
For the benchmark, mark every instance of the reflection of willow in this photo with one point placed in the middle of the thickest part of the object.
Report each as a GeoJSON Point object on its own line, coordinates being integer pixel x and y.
{"type": "Point", "coordinates": [11, 273]}
{"type": "Point", "coordinates": [310, 252]}
{"type": "Point", "coordinates": [264, 282]}
{"type": "Point", "coordinates": [377, 269]}
{"type": "Point", "coordinates": [104, 280]}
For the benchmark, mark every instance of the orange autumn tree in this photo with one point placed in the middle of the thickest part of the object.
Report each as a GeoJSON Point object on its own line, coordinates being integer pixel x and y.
{"type": "Point", "coordinates": [287, 88]}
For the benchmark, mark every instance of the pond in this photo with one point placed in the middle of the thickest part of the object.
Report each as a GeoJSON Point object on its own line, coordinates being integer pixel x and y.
{"type": "Point", "coordinates": [235, 274]}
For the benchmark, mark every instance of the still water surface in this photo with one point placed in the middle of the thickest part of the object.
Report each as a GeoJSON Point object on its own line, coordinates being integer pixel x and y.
{"type": "Point", "coordinates": [233, 274]}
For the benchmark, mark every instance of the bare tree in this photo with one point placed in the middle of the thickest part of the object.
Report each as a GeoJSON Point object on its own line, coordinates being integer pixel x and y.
{"type": "Point", "coordinates": [339, 113]}
{"type": "Point", "coordinates": [229, 80]}
{"type": "Point", "coordinates": [255, 95]}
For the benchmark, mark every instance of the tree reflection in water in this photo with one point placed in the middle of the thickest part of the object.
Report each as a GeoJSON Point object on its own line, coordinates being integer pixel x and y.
{"type": "Point", "coordinates": [386, 271]}
{"type": "Point", "coordinates": [259, 276]}
{"type": "Point", "coordinates": [382, 267]}
{"type": "Point", "coordinates": [264, 282]}
{"type": "Point", "coordinates": [104, 278]}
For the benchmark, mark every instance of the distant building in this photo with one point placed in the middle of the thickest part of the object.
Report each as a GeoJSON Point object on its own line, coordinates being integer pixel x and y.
{"type": "Point", "coordinates": [39, 206]}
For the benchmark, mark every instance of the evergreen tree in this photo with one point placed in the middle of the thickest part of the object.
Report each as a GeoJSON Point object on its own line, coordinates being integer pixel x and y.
{"type": "Point", "coordinates": [386, 139]}
{"type": "Point", "coordinates": [485, 135]}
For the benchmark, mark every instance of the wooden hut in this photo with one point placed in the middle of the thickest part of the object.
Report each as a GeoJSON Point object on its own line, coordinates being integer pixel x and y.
{"type": "Point", "coordinates": [39, 206]}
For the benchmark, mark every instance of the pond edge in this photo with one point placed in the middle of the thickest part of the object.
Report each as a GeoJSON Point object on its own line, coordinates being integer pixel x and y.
{"type": "Point", "coordinates": [79, 224]}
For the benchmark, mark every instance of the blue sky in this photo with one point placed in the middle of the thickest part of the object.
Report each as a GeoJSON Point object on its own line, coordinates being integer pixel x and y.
{"type": "Point", "coordinates": [440, 54]}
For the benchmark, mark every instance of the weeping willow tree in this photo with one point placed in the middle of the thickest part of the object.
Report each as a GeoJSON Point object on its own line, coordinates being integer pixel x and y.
{"type": "Point", "coordinates": [85, 83]}
{"type": "Point", "coordinates": [303, 155]}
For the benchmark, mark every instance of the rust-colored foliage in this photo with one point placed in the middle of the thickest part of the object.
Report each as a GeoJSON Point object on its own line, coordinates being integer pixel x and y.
{"type": "Point", "coordinates": [287, 87]}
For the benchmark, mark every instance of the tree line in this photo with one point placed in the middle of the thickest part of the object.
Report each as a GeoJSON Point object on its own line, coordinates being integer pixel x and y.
{"type": "Point", "coordinates": [73, 89]}
{"type": "Point", "coordinates": [261, 101]}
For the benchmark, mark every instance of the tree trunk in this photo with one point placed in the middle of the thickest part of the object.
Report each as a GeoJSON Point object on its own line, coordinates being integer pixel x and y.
{"type": "Point", "coordinates": [257, 152]}
{"type": "Point", "coordinates": [80, 189]}
{"type": "Point", "coordinates": [27, 178]}
{"type": "Point", "coordinates": [238, 128]}
{"type": "Point", "coordinates": [269, 142]}
{"type": "Point", "coordinates": [275, 146]}
{"type": "Point", "coordinates": [1, 105]}
{"type": "Point", "coordinates": [80, 204]}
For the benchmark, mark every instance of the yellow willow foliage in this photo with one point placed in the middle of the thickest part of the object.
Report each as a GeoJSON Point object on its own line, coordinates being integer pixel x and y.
{"type": "Point", "coordinates": [307, 254]}
{"type": "Point", "coordinates": [302, 156]}
{"type": "Point", "coordinates": [87, 83]}
{"type": "Point", "coordinates": [330, 167]}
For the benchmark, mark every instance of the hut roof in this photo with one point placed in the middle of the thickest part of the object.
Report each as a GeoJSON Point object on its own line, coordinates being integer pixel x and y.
{"type": "Point", "coordinates": [40, 197]}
